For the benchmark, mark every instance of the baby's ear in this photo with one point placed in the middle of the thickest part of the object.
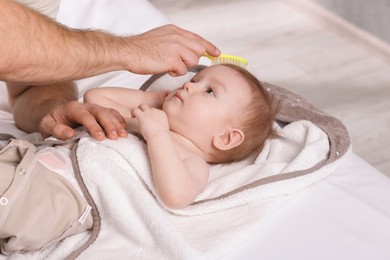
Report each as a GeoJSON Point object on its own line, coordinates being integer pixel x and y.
{"type": "Point", "coordinates": [228, 140]}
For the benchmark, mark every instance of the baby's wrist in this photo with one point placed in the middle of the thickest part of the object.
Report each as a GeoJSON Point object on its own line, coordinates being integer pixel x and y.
{"type": "Point", "coordinates": [156, 135]}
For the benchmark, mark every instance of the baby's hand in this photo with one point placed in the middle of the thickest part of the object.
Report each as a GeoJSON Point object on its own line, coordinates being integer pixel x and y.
{"type": "Point", "coordinates": [151, 121]}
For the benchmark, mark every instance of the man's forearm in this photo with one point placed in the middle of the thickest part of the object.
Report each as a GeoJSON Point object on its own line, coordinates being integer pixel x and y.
{"type": "Point", "coordinates": [29, 105]}
{"type": "Point", "coordinates": [36, 50]}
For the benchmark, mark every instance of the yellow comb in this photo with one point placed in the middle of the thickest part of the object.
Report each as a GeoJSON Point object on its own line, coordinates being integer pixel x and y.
{"type": "Point", "coordinates": [225, 58]}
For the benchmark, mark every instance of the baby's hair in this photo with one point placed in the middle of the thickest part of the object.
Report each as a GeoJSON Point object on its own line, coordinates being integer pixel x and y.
{"type": "Point", "coordinates": [258, 118]}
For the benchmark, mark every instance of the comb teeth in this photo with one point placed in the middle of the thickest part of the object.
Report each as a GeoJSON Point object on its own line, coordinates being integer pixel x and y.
{"type": "Point", "coordinates": [230, 59]}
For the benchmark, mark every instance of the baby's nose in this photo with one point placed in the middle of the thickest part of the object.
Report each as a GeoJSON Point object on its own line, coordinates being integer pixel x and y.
{"type": "Point", "coordinates": [188, 86]}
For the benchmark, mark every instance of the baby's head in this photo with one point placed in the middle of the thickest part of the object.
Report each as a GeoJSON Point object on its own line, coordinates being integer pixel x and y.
{"type": "Point", "coordinates": [257, 117]}
{"type": "Point", "coordinates": [223, 110]}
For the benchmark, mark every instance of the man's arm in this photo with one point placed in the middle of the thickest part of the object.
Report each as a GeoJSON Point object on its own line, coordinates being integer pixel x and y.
{"type": "Point", "coordinates": [35, 49]}
{"type": "Point", "coordinates": [54, 110]}
{"type": "Point", "coordinates": [37, 100]}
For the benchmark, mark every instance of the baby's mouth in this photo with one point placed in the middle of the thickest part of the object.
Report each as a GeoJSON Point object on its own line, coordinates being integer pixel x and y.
{"type": "Point", "coordinates": [177, 94]}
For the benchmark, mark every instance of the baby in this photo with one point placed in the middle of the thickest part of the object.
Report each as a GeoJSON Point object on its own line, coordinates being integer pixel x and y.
{"type": "Point", "coordinates": [221, 115]}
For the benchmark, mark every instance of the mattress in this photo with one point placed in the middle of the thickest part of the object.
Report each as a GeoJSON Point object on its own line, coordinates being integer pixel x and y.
{"type": "Point", "coordinates": [344, 216]}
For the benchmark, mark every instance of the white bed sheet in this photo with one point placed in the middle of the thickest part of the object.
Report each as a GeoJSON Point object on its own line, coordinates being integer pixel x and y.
{"type": "Point", "coordinates": [345, 216]}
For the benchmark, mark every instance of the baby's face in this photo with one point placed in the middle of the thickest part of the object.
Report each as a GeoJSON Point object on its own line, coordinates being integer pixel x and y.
{"type": "Point", "coordinates": [210, 102]}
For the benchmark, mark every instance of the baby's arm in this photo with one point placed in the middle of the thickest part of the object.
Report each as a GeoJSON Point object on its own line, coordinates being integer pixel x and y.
{"type": "Point", "coordinates": [123, 99]}
{"type": "Point", "coordinates": [178, 180]}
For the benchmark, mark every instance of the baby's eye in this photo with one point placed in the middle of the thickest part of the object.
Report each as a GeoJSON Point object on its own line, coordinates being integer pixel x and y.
{"type": "Point", "coordinates": [209, 90]}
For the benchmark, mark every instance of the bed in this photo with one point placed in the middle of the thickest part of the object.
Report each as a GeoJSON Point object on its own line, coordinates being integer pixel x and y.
{"type": "Point", "coordinates": [344, 216]}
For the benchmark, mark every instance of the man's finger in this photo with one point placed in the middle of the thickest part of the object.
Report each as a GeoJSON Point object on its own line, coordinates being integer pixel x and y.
{"type": "Point", "coordinates": [110, 120]}
{"type": "Point", "coordinates": [189, 58]}
{"type": "Point", "coordinates": [210, 48]}
{"type": "Point", "coordinates": [48, 126]}
{"type": "Point", "coordinates": [86, 119]}
{"type": "Point", "coordinates": [179, 70]}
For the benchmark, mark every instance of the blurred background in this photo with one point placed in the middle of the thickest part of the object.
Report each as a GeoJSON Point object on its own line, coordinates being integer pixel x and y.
{"type": "Point", "coordinates": [372, 16]}
{"type": "Point", "coordinates": [335, 53]}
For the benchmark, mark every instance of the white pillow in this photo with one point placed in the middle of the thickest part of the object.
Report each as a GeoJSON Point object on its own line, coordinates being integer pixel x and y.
{"type": "Point", "coordinates": [47, 7]}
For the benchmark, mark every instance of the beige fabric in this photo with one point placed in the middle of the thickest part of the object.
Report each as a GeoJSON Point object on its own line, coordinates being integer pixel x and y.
{"type": "Point", "coordinates": [46, 7]}
{"type": "Point", "coordinates": [37, 207]}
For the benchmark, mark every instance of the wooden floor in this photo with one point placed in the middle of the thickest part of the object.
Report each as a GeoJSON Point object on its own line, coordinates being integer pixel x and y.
{"type": "Point", "coordinates": [297, 45]}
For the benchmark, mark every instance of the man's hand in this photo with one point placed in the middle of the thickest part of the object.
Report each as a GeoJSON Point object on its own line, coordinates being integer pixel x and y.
{"type": "Point", "coordinates": [98, 120]}
{"type": "Point", "coordinates": [167, 49]}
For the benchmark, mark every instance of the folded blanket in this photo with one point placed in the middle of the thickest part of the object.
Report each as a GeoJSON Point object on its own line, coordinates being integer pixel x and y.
{"type": "Point", "coordinates": [130, 222]}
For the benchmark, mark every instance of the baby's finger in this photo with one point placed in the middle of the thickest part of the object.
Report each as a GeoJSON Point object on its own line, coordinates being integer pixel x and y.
{"type": "Point", "coordinates": [143, 107]}
{"type": "Point", "coordinates": [135, 112]}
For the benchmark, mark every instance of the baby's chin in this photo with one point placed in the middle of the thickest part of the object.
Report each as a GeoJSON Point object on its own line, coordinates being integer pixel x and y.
{"type": "Point", "coordinates": [166, 107]}
{"type": "Point", "coordinates": [170, 104]}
